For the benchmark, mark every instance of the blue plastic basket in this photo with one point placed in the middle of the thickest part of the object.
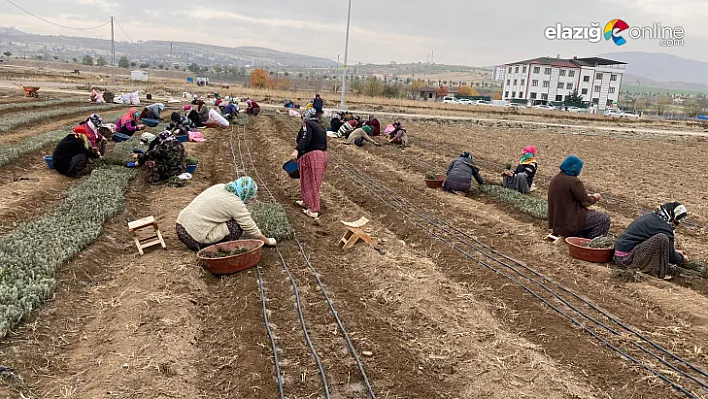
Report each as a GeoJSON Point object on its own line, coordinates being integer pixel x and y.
{"type": "Point", "coordinates": [48, 160]}
{"type": "Point", "coordinates": [191, 169]}
{"type": "Point", "coordinates": [120, 137]}
{"type": "Point", "coordinates": [150, 122]}
{"type": "Point", "coordinates": [182, 138]}
{"type": "Point", "coordinates": [291, 169]}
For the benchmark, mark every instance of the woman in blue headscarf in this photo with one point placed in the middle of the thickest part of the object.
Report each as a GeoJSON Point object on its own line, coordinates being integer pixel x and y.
{"type": "Point", "coordinates": [568, 203]}
{"type": "Point", "coordinates": [219, 214]}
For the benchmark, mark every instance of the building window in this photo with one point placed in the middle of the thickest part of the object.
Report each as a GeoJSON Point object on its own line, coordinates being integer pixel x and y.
{"type": "Point", "coordinates": [523, 70]}
{"type": "Point", "coordinates": [536, 69]}
{"type": "Point", "coordinates": [508, 82]}
{"type": "Point", "coordinates": [534, 83]}
{"type": "Point", "coordinates": [546, 83]}
{"type": "Point", "coordinates": [571, 74]}
{"type": "Point", "coordinates": [516, 70]}
{"type": "Point", "coordinates": [598, 76]}
{"type": "Point", "coordinates": [586, 78]}
{"type": "Point", "coordinates": [569, 86]}
{"type": "Point", "coordinates": [562, 72]}
{"type": "Point", "coordinates": [523, 82]}
{"type": "Point", "coordinates": [561, 85]}
{"type": "Point", "coordinates": [613, 78]}
{"type": "Point", "coordinates": [559, 97]}
{"type": "Point", "coordinates": [596, 101]}
{"type": "Point", "coordinates": [547, 71]}
{"type": "Point", "coordinates": [506, 94]}
{"type": "Point", "coordinates": [533, 96]}
{"type": "Point", "coordinates": [584, 91]}
{"type": "Point", "coordinates": [514, 82]}
{"type": "Point", "coordinates": [612, 90]}
{"type": "Point", "coordinates": [513, 94]}
{"type": "Point", "coordinates": [509, 70]}
{"type": "Point", "coordinates": [544, 96]}
{"type": "Point", "coordinates": [597, 89]}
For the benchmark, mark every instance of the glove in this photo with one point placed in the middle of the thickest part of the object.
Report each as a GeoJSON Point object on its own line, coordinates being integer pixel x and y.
{"type": "Point", "coordinates": [272, 242]}
{"type": "Point", "coordinates": [131, 164]}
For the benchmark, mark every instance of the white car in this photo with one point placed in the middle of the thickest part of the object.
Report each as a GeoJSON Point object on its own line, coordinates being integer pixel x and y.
{"type": "Point", "coordinates": [513, 105]}
{"type": "Point", "coordinates": [483, 102]}
{"type": "Point", "coordinates": [629, 115]}
{"type": "Point", "coordinates": [620, 114]}
{"type": "Point", "coordinates": [546, 107]}
{"type": "Point", "coordinates": [465, 101]}
{"type": "Point", "coordinates": [449, 100]}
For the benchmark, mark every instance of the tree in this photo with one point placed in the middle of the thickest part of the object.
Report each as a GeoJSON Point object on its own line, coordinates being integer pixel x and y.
{"type": "Point", "coordinates": [101, 61]}
{"type": "Point", "coordinates": [123, 62]}
{"type": "Point", "coordinates": [661, 106]}
{"type": "Point", "coordinates": [417, 85]}
{"type": "Point", "coordinates": [144, 65]}
{"type": "Point", "coordinates": [194, 68]}
{"type": "Point", "coordinates": [284, 83]}
{"type": "Point", "coordinates": [217, 69]}
{"type": "Point", "coordinates": [442, 91]}
{"type": "Point", "coordinates": [176, 67]}
{"type": "Point", "coordinates": [574, 98]}
{"type": "Point", "coordinates": [372, 87]}
{"type": "Point", "coordinates": [56, 57]}
{"type": "Point", "coordinates": [39, 57]}
{"type": "Point", "coordinates": [467, 91]}
{"type": "Point", "coordinates": [259, 78]}
{"type": "Point", "coordinates": [692, 109]}
{"type": "Point", "coordinates": [133, 64]}
{"type": "Point", "coordinates": [87, 60]}
{"type": "Point", "coordinates": [75, 60]}
{"type": "Point", "coordinates": [161, 66]}
{"type": "Point", "coordinates": [7, 54]}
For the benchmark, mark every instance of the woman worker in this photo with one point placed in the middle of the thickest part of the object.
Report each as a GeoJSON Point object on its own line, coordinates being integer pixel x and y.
{"type": "Point", "coordinates": [90, 127]}
{"type": "Point", "coordinates": [648, 242]}
{"type": "Point", "coordinates": [521, 179]}
{"type": "Point", "coordinates": [460, 174]}
{"type": "Point", "coordinates": [165, 160]}
{"type": "Point", "coordinates": [311, 156]}
{"type": "Point", "coordinates": [375, 125]}
{"type": "Point", "coordinates": [152, 111]}
{"type": "Point", "coordinates": [360, 136]}
{"type": "Point", "coordinates": [568, 202]}
{"type": "Point", "coordinates": [71, 155]}
{"type": "Point", "coordinates": [128, 124]}
{"type": "Point", "coordinates": [219, 214]}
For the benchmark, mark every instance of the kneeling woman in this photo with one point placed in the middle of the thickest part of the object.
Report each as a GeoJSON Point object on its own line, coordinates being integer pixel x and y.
{"type": "Point", "coordinates": [648, 242]}
{"type": "Point", "coordinates": [128, 123]}
{"type": "Point", "coordinates": [460, 174]}
{"type": "Point", "coordinates": [219, 214]}
{"type": "Point", "coordinates": [165, 160]}
{"type": "Point", "coordinates": [521, 179]}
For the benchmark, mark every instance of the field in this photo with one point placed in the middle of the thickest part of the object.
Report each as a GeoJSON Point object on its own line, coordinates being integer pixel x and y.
{"type": "Point", "coordinates": [468, 300]}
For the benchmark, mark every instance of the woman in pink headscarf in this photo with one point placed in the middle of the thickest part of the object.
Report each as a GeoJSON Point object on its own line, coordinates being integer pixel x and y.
{"type": "Point", "coordinates": [521, 179]}
{"type": "Point", "coordinates": [129, 123]}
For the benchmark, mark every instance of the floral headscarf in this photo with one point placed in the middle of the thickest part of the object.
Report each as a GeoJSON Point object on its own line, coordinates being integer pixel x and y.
{"type": "Point", "coordinates": [245, 188]}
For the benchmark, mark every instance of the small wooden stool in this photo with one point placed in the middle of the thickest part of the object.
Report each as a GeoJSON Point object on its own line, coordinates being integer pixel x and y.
{"type": "Point", "coordinates": [355, 233]}
{"type": "Point", "coordinates": [146, 242]}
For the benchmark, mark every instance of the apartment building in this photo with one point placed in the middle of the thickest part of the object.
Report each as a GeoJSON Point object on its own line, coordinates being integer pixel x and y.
{"type": "Point", "coordinates": [499, 73]}
{"type": "Point", "coordinates": [544, 79]}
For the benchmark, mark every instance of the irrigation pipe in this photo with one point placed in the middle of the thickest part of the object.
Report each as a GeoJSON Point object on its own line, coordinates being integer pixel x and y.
{"type": "Point", "coordinates": [270, 333]}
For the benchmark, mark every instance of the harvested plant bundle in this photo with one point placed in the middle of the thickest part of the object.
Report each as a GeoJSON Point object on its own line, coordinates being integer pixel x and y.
{"type": "Point", "coordinates": [24, 118]}
{"type": "Point", "coordinates": [430, 175]}
{"type": "Point", "coordinates": [30, 255]}
{"type": "Point", "coordinates": [525, 203]}
{"type": "Point", "coordinates": [272, 220]}
{"type": "Point", "coordinates": [604, 242]}
{"type": "Point", "coordinates": [222, 254]}
{"type": "Point", "coordinates": [191, 160]}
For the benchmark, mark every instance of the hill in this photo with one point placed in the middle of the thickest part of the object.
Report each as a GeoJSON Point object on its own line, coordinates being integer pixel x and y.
{"type": "Point", "coordinates": [666, 68]}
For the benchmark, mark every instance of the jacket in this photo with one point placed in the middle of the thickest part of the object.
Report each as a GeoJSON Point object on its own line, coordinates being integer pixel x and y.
{"type": "Point", "coordinates": [567, 205]}
{"type": "Point", "coordinates": [462, 170]}
{"type": "Point", "coordinates": [335, 124]}
{"type": "Point", "coordinates": [169, 154]}
{"type": "Point", "coordinates": [643, 229]}
{"type": "Point", "coordinates": [529, 169]}
{"type": "Point", "coordinates": [67, 148]}
{"type": "Point", "coordinates": [318, 103]}
{"type": "Point", "coordinates": [93, 137]}
{"type": "Point", "coordinates": [311, 137]}
{"type": "Point", "coordinates": [359, 133]}
{"type": "Point", "coordinates": [375, 127]}
{"type": "Point", "coordinates": [203, 112]}
{"type": "Point", "coordinates": [152, 111]}
{"type": "Point", "coordinates": [128, 127]}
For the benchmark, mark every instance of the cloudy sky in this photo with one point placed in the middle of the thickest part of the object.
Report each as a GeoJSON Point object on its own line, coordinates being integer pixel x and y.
{"type": "Point", "coordinates": [469, 32]}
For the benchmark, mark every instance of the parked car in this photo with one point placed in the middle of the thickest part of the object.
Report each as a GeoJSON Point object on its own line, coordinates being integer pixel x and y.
{"type": "Point", "coordinates": [630, 115]}
{"type": "Point", "coordinates": [483, 102]}
{"type": "Point", "coordinates": [449, 100]}
{"type": "Point", "coordinates": [573, 109]}
{"type": "Point", "coordinates": [465, 101]}
{"type": "Point", "coordinates": [546, 107]}
{"type": "Point", "coordinates": [514, 105]}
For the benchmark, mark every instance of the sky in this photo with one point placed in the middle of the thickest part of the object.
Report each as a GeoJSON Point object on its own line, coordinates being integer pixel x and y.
{"type": "Point", "coordinates": [461, 32]}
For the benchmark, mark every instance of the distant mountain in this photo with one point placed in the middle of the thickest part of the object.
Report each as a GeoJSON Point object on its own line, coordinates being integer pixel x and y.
{"type": "Point", "coordinates": [153, 51]}
{"type": "Point", "coordinates": [663, 67]}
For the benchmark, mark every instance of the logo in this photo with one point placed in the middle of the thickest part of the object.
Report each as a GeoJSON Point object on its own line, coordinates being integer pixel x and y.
{"type": "Point", "coordinates": [613, 28]}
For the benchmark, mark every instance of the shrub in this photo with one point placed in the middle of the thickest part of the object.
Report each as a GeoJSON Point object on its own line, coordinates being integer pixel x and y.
{"type": "Point", "coordinates": [525, 203]}
{"type": "Point", "coordinates": [272, 220]}
{"type": "Point", "coordinates": [30, 255]}
{"type": "Point", "coordinates": [24, 118]}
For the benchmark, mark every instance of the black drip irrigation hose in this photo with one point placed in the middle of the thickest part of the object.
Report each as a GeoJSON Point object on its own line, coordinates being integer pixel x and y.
{"type": "Point", "coordinates": [317, 278]}
{"type": "Point", "coordinates": [546, 179]}
{"type": "Point", "coordinates": [270, 333]}
{"type": "Point", "coordinates": [357, 175]}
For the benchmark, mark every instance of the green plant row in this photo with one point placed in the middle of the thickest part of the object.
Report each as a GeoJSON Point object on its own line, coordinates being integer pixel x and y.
{"type": "Point", "coordinates": [24, 118]}
{"type": "Point", "coordinates": [30, 255]}
{"type": "Point", "coordinates": [31, 105]}
{"type": "Point", "coordinates": [242, 119]}
{"type": "Point", "coordinates": [12, 152]}
{"type": "Point", "coordinates": [525, 203]}
{"type": "Point", "coordinates": [272, 220]}
{"type": "Point", "coordinates": [121, 153]}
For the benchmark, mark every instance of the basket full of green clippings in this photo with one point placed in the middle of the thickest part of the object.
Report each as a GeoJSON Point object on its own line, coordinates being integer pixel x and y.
{"type": "Point", "coordinates": [231, 257]}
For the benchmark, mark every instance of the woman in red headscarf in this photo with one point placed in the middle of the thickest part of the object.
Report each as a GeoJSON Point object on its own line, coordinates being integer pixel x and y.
{"type": "Point", "coordinates": [129, 123]}
{"type": "Point", "coordinates": [521, 179]}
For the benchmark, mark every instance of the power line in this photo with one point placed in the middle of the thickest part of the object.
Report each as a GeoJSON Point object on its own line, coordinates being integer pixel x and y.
{"type": "Point", "coordinates": [54, 23]}
{"type": "Point", "coordinates": [129, 39]}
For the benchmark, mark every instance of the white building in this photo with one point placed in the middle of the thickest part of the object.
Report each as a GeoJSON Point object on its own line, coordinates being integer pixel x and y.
{"type": "Point", "coordinates": [543, 80]}
{"type": "Point", "coordinates": [138, 75]}
{"type": "Point", "coordinates": [499, 73]}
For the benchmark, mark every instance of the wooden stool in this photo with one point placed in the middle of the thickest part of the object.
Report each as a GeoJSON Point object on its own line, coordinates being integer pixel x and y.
{"type": "Point", "coordinates": [355, 233]}
{"type": "Point", "coordinates": [146, 242]}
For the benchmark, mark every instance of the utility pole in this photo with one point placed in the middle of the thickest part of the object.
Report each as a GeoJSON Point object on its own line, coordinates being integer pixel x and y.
{"type": "Point", "coordinates": [336, 72]}
{"type": "Point", "coordinates": [346, 55]}
{"type": "Point", "coordinates": [113, 54]}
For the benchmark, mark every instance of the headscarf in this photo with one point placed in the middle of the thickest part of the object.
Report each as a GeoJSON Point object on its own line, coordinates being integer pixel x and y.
{"type": "Point", "coordinates": [352, 123]}
{"type": "Point", "coordinates": [309, 114]}
{"type": "Point", "coordinates": [147, 137]}
{"type": "Point", "coordinates": [672, 212]}
{"type": "Point", "coordinates": [466, 155]}
{"type": "Point", "coordinates": [166, 135]}
{"type": "Point", "coordinates": [366, 129]}
{"type": "Point", "coordinates": [131, 115]}
{"type": "Point", "coordinates": [528, 155]}
{"type": "Point", "coordinates": [531, 149]}
{"type": "Point", "coordinates": [371, 117]}
{"type": "Point", "coordinates": [245, 188]}
{"type": "Point", "coordinates": [187, 108]}
{"type": "Point", "coordinates": [175, 117]}
{"type": "Point", "coordinates": [95, 121]}
{"type": "Point", "coordinates": [572, 166]}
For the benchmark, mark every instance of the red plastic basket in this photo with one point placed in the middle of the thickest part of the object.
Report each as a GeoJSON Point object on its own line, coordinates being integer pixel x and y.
{"type": "Point", "coordinates": [578, 250]}
{"type": "Point", "coordinates": [235, 263]}
{"type": "Point", "coordinates": [434, 183]}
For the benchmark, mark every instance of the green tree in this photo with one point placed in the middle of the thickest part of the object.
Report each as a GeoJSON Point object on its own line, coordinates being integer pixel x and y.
{"type": "Point", "coordinates": [574, 98]}
{"type": "Point", "coordinates": [144, 65]}
{"type": "Point", "coordinates": [101, 61]}
{"type": "Point", "coordinates": [217, 69]}
{"type": "Point", "coordinates": [7, 54]}
{"type": "Point", "coordinates": [692, 109]}
{"type": "Point", "coordinates": [372, 87]}
{"type": "Point", "coordinates": [39, 57]}
{"type": "Point", "coordinates": [123, 62]}
{"type": "Point", "coordinates": [194, 68]}
{"type": "Point", "coordinates": [87, 60]}
{"type": "Point", "coordinates": [161, 66]}
{"type": "Point", "coordinates": [56, 57]}
{"type": "Point", "coordinates": [133, 64]}
{"type": "Point", "coordinates": [75, 60]}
